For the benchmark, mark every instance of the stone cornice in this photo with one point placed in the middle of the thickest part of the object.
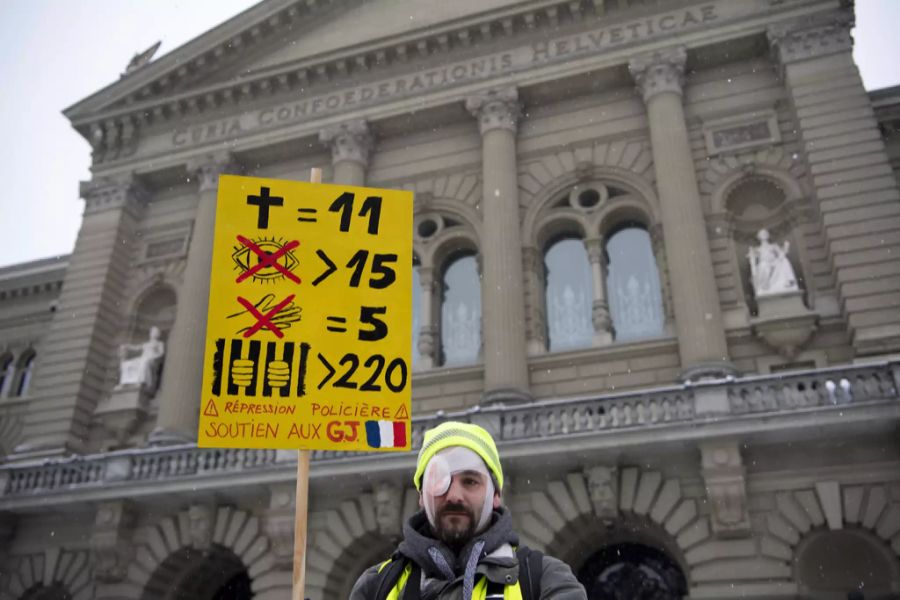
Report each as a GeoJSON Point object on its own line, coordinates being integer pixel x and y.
{"type": "Point", "coordinates": [107, 194]}
{"type": "Point", "coordinates": [348, 141]}
{"type": "Point", "coordinates": [660, 71]}
{"type": "Point", "coordinates": [145, 105]}
{"type": "Point", "coordinates": [811, 38]}
{"type": "Point", "coordinates": [495, 109]}
{"type": "Point", "coordinates": [283, 98]}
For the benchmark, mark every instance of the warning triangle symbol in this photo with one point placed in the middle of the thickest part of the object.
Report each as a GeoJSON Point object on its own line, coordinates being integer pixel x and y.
{"type": "Point", "coordinates": [402, 413]}
{"type": "Point", "coordinates": [210, 410]}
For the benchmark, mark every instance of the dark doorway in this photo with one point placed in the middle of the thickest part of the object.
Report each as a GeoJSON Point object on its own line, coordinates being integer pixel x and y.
{"type": "Point", "coordinates": [632, 572]}
{"type": "Point", "coordinates": [236, 588]}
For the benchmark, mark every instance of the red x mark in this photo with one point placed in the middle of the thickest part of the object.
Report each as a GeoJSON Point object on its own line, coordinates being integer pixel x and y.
{"type": "Point", "coordinates": [264, 320]}
{"type": "Point", "coordinates": [267, 260]}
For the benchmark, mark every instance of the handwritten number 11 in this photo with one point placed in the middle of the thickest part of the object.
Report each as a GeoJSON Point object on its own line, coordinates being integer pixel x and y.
{"type": "Point", "coordinates": [371, 206]}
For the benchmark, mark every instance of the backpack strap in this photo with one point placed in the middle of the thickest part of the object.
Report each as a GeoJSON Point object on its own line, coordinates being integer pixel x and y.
{"type": "Point", "coordinates": [531, 567]}
{"type": "Point", "coordinates": [388, 575]}
{"type": "Point", "coordinates": [412, 590]}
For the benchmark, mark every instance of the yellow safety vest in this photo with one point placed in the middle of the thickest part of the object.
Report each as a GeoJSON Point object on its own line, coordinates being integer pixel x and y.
{"type": "Point", "coordinates": [510, 592]}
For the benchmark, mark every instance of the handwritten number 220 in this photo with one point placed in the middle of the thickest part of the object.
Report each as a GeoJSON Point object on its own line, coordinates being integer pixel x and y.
{"type": "Point", "coordinates": [371, 206]}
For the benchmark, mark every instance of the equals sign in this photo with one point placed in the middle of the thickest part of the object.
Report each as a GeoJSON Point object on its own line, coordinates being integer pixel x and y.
{"type": "Point", "coordinates": [336, 327]}
{"type": "Point", "coordinates": [306, 211]}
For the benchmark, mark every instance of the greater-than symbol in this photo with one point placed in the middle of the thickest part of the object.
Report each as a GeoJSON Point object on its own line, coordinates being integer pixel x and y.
{"type": "Point", "coordinates": [328, 366]}
{"type": "Point", "coordinates": [210, 410]}
{"type": "Point", "coordinates": [331, 267]}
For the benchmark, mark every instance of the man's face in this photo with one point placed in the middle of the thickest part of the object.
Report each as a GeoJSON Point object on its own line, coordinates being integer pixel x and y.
{"type": "Point", "coordinates": [457, 511]}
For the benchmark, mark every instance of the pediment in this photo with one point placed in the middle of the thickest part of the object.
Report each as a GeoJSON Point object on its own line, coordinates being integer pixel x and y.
{"type": "Point", "coordinates": [274, 36]}
{"type": "Point", "coordinates": [370, 22]}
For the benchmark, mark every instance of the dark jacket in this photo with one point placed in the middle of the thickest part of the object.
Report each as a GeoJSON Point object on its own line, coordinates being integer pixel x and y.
{"type": "Point", "coordinates": [446, 576]}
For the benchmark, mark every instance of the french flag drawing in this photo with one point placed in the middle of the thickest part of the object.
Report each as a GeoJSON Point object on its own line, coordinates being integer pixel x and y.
{"type": "Point", "coordinates": [386, 434]}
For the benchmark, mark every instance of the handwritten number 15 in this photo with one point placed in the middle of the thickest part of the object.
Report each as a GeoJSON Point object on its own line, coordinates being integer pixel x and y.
{"type": "Point", "coordinates": [371, 207]}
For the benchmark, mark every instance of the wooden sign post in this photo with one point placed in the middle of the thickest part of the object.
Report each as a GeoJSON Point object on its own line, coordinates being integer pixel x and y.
{"type": "Point", "coordinates": [309, 329]}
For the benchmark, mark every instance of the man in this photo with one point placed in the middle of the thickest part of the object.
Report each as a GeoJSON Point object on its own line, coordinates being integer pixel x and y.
{"type": "Point", "coordinates": [461, 546]}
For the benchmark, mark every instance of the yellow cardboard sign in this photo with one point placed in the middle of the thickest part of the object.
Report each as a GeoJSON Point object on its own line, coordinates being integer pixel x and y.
{"type": "Point", "coordinates": [309, 333]}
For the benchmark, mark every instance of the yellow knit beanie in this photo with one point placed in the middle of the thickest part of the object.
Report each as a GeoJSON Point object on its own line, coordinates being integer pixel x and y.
{"type": "Point", "coordinates": [454, 433]}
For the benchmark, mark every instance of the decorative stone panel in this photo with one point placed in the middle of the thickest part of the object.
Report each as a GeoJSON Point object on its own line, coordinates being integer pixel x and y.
{"type": "Point", "coordinates": [724, 474]}
{"type": "Point", "coordinates": [733, 134]}
{"type": "Point", "coordinates": [111, 542]}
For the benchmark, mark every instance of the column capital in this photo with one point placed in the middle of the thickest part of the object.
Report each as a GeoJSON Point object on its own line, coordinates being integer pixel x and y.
{"type": "Point", "coordinates": [821, 35]}
{"type": "Point", "coordinates": [660, 71]}
{"type": "Point", "coordinates": [495, 109]}
{"type": "Point", "coordinates": [594, 247]}
{"type": "Point", "coordinates": [426, 278]}
{"type": "Point", "coordinates": [348, 141]}
{"type": "Point", "coordinates": [208, 168]}
{"type": "Point", "coordinates": [110, 193]}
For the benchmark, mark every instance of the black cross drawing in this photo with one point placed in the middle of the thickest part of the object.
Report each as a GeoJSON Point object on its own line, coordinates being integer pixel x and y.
{"type": "Point", "coordinates": [264, 201]}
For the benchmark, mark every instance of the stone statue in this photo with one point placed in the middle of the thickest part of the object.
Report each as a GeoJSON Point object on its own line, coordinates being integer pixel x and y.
{"type": "Point", "coordinates": [770, 270]}
{"type": "Point", "coordinates": [142, 369]}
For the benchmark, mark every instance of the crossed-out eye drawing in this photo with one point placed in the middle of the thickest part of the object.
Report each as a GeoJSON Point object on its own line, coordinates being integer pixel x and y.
{"type": "Point", "coordinates": [265, 259]}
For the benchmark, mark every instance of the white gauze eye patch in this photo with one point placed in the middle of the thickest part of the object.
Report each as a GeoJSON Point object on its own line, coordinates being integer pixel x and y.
{"type": "Point", "coordinates": [439, 475]}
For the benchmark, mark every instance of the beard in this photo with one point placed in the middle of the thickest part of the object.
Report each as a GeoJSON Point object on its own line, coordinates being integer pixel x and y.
{"type": "Point", "coordinates": [452, 529]}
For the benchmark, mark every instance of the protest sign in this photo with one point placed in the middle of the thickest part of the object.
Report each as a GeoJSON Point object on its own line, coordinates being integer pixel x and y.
{"type": "Point", "coordinates": [309, 327]}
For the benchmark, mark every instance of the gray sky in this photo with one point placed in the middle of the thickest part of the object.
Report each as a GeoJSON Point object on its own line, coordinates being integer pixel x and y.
{"type": "Point", "coordinates": [56, 52]}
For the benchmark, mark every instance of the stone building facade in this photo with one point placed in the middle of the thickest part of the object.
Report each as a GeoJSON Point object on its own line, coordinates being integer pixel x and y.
{"type": "Point", "coordinates": [590, 177]}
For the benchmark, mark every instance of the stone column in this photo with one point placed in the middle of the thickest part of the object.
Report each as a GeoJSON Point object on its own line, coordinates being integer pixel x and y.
{"type": "Point", "coordinates": [659, 252]}
{"type": "Point", "coordinates": [179, 394]}
{"type": "Point", "coordinates": [854, 187]}
{"type": "Point", "coordinates": [70, 373]}
{"type": "Point", "coordinates": [350, 145]}
{"type": "Point", "coordinates": [535, 301]}
{"type": "Point", "coordinates": [698, 317]}
{"type": "Point", "coordinates": [503, 305]}
{"type": "Point", "coordinates": [427, 330]}
{"type": "Point", "coordinates": [600, 307]}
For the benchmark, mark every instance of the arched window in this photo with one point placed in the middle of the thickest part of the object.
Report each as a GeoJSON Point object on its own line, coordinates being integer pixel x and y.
{"type": "Point", "coordinates": [460, 312]}
{"type": "Point", "coordinates": [632, 284]}
{"type": "Point", "coordinates": [23, 373]}
{"type": "Point", "coordinates": [569, 295]}
{"type": "Point", "coordinates": [7, 372]}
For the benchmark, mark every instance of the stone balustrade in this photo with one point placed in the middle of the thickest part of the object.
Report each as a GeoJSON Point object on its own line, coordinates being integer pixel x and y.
{"type": "Point", "coordinates": [843, 388]}
{"type": "Point", "coordinates": [825, 387]}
